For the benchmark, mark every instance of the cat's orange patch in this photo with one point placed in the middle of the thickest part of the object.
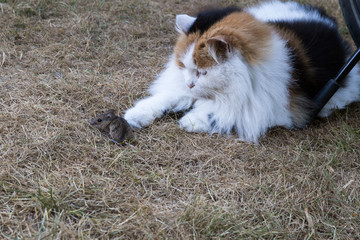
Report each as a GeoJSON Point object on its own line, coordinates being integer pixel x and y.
{"type": "Point", "coordinates": [239, 30]}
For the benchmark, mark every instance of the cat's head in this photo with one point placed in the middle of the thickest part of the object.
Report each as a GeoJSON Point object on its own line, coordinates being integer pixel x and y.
{"type": "Point", "coordinates": [210, 51]}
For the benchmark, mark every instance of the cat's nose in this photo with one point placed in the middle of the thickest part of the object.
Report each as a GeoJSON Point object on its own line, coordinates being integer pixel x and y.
{"type": "Point", "coordinates": [191, 85]}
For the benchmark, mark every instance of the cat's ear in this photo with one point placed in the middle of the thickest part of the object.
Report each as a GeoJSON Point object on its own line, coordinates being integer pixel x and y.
{"type": "Point", "coordinates": [219, 47]}
{"type": "Point", "coordinates": [184, 22]}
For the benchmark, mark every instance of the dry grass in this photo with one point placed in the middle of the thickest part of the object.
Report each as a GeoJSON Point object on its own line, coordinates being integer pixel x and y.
{"type": "Point", "coordinates": [64, 61]}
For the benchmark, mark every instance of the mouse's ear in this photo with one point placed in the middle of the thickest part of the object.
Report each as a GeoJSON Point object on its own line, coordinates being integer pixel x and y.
{"type": "Point", "coordinates": [110, 114]}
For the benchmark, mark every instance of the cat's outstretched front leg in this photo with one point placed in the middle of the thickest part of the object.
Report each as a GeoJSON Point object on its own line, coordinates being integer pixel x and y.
{"type": "Point", "coordinates": [168, 93]}
{"type": "Point", "coordinates": [146, 110]}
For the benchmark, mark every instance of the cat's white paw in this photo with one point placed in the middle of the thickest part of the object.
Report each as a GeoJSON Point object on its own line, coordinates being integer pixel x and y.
{"type": "Point", "coordinates": [139, 117]}
{"type": "Point", "coordinates": [193, 123]}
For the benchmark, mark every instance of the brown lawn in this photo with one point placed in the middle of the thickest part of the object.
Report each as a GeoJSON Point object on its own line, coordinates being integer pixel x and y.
{"type": "Point", "coordinates": [62, 62]}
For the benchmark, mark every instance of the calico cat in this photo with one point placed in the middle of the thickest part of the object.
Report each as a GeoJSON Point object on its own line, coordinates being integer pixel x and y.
{"type": "Point", "coordinates": [247, 70]}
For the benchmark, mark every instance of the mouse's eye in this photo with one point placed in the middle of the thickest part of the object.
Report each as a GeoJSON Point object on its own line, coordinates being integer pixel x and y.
{"type": "Point", "coordinates": [99, 120]}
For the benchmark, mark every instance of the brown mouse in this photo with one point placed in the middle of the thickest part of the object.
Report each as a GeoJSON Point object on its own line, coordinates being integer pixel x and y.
{"type": "Point", "coordinates": [116, 127]}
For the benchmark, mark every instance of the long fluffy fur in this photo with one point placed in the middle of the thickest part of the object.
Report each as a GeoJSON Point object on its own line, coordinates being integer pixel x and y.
{"type": "Point", "coordinates": [249, 70]}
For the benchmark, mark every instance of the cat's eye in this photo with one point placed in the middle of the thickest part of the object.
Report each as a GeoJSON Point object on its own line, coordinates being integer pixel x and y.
{"type": "Point", "coordinates": [198, 73]}
{"type": "Point", "coordinates": [99, 120]}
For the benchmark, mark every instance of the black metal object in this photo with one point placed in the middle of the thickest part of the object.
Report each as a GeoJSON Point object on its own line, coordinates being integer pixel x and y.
{"type": "Point", "coordinates": [330, 88]}
{"type": "Point", "coordinates": [351, 13]}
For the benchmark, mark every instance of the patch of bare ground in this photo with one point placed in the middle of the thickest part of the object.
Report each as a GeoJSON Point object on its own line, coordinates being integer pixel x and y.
{"type": "Point", "coordinates": [62, 62]}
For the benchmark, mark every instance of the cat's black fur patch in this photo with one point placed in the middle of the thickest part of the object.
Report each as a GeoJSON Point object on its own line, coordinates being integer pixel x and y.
{"type": "Point", "coordinates": [204, 20]}
{"type": "Point", "coordinates": [325, 48]}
